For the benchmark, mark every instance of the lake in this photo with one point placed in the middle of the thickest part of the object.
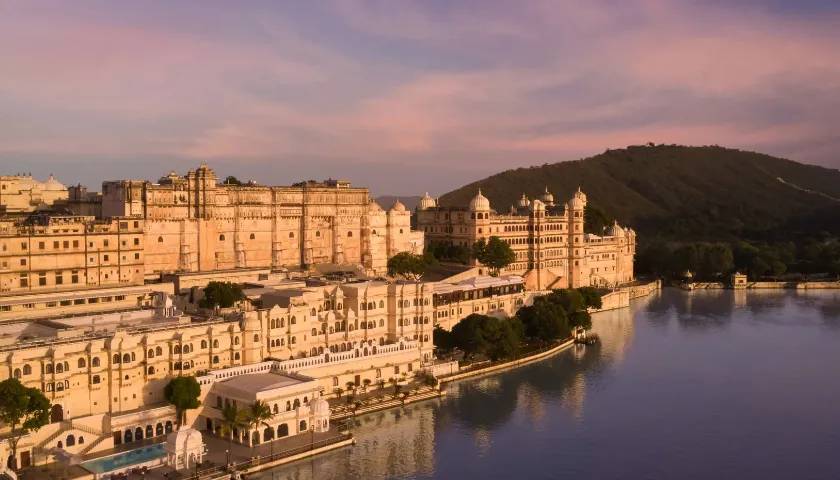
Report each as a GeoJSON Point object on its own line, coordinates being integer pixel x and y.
{"type": "Point", "coordinates": [684, 385]}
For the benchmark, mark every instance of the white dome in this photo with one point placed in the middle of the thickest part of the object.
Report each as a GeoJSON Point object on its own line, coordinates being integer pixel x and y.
{"type": "Point", "coordinates": [185, 438]}
{"type": "Point", "coordinates": [427, 202]}
{"type": "Point", "coordinates": [320, 407]}
{"type": "Point", "coordinates": [524, 202]}
{"type": "Point", "coordinates": [578, 202]}
{"type": "Point", "coordinates": [374, 207]}
{"type": "Point", "coordinates": [53, 184]}
{"type": "Point", "coordinates": [398, 207]}
{"type": "Point", "coordinates": [537, 205]}
{"type": "Point", "coordinates": [615, 230]}
{"type": "Point", "coordinates": [547, 197]}
{"type": "Point", "coordinates": [479, 202]}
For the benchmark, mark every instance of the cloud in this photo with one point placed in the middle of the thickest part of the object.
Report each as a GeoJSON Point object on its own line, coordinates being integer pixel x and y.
{"type": "Point", "coordinates": [424, 87]}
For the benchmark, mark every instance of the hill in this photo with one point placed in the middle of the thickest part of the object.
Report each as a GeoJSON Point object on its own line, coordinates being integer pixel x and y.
{"type": "Point", "coordinates": [684, 193]}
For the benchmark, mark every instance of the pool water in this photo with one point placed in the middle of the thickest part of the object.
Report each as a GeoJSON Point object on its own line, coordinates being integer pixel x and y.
{"type": "Point", "coordinates": [125, 459]}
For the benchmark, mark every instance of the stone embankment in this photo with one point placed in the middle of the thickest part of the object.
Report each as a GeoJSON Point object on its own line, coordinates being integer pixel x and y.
{"type": "Point", "coordinates": [620, 298]}
{"type": "Point", "coordinates": [824, 285]}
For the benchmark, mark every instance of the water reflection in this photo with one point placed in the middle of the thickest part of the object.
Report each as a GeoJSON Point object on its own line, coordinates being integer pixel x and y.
{"type": "Point", "coordinates": [666, 379]}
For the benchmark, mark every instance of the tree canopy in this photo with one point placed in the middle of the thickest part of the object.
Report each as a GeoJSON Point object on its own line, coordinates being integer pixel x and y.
{"type": "Point", "coordinates": [484, 335]}
{"type": "Point", "coordinates": [409, 265]}
{"type": "Point", "coordinates": [22, 410]}
{"type": "Point", "coordinates": [221, 294]}
{"type": "Point", "coordinates": [449, 252]}
{"type": "Point", "coordinates": [231, 180]}
{"type": "Point", "coordinates": [494, 253]}
{"type": "Point", "coordinates": [182, 393]}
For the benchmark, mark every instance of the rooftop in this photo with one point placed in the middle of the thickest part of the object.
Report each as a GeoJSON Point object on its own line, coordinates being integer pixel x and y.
{"type": "Point", "coordinates": [256, 383]}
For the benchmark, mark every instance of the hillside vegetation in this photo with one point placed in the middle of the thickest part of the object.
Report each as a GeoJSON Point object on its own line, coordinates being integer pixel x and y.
{"type": "Point", "coordinates": [676, 195]}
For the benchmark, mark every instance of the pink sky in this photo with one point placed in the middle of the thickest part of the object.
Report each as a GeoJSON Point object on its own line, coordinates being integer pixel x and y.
{"type": "Point", "coordinates": [405, 97]}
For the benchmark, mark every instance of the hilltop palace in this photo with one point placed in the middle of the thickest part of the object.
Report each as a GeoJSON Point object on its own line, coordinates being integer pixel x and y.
{"type": "Point", "coordinates": [100, 292]}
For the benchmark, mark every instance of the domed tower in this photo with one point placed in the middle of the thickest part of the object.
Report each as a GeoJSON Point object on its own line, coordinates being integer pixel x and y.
{"type": "Point", "coordinates": [547, 198]}
{"type": "Point", "coordinates": [426, 202]}
{"type": "Point", "coordinates": [524, 202]}
{"type": "Point", "coordinates": [399, 227]}
{"type": "Point", "coordinates": [480, 215]}
{"type": "Point", "coordinates": [578, 272]}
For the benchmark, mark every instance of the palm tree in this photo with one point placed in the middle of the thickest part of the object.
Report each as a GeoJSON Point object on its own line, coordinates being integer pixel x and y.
{"type": "Point", "coordinates": [259, 413]}
{"type": "Point", "coordinates": [233, 419]}
{"type": "Point", "coordinates": [366, 383]}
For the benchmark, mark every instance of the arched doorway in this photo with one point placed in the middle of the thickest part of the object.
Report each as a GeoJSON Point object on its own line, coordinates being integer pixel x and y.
{"type": "Point", "coordinates": [56, 413]}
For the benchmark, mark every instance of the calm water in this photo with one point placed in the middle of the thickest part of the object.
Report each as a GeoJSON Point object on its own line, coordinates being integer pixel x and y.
{"type": "Point", "coordinates": [683, 386]}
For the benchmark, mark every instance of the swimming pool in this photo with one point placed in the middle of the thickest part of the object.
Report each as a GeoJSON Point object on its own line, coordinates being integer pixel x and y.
{"type": "Point", "coordinates": [125, 459]}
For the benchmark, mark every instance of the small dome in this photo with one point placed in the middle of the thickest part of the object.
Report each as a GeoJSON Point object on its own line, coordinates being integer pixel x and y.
{"type": "Point", "coordinates": [398, 207]}
{"type": "Point", "coordinates": [547, 197]}
{"type": "Point", "coordinates": [524, 202]}
{"type": "Point", "coordinates": [479, 202]}
{"type": "Point", "coordinates": [578, 201]}
{"type": "Point", "coordinates": [53, 184]}
{"type": "Point", "coordinates": [615, 230]}
{"type": "Point", "coordinates": [374, 207]}
{"type": "Point", "coordinates": [320, 407]}
{"type": "Point", "coordinates": [427, 202]}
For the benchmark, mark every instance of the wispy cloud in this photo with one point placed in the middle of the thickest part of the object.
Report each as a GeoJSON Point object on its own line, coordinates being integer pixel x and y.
{"type": "Point", "coordinates": [448, 91]}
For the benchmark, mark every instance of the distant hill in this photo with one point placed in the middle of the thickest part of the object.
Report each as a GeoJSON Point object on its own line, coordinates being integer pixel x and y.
{"type": "Point", "coordinates": [410, 201]}
{"type": "Point", "coordinates": [703, 193]}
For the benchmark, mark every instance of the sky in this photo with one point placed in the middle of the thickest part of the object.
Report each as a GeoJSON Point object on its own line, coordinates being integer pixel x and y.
{"type": "Point", "coordinates": [405, 97]}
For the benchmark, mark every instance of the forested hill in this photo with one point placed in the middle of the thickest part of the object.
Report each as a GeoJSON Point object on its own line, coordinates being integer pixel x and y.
{"type": "Point", "coordinates": [684, 193]}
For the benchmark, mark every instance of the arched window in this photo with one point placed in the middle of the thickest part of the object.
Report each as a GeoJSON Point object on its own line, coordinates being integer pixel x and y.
{"type": "Point", "coordinates": [18, 373]}
{"type": "Point", "coordinates": [215, 344]}
{"type": "Point", "coordinates": [81, 440]}
{"type": "Point", "coordinates": [151, 370]}
{"type": "Point", "coordinates": [283, 430]}
{"type": "Point", "coordinates": [296, 403]}
{"type": "Point", "coordinates": [381, 304]}
{"type": "Point", "coordinates": [314, 332]}
{"type": "Point", "coordinates": [317, 233]}
{"type": "Point", "coordinates": [221, 238]}
{"type": "Point", "coordinates": [236, 356]}
{"type": "Point", "coordinates": [59, 368]}
{"type": "Point", "coordinates": [177, 349]}
{"type": "Point", "coordinates": [256, 337]}
{"type": "Point", "coordinates": [215, 359]}
{"type": "Point", "coordinates": [160, 239]}
{"type": "Point", "coordinates": [203, 344]}
{"type": "Point", "coordinates": [236, 340]}
{"type": "Point", "coordinates": [252, 236]}
{"type": "Point", "coordinates": [126, 358]}
{"type": "Point", "coordinates": [71, 440]}
{"type": "Point", "coordinates": [150, 353]}
{"type": "Point", "coordinates": [291, 234]}
{"type": "Point", "coordinates": [94, 362]}
{"type": "Point", "coordinates": [27, 370]}
{"type": "Point", "coordinates": [275, 409]}
{"type": "Point", "coordinates": [302, 426]}
{"type": "Point", "coordinates": [82, 363]}
{"type": "Point", "coordinates": [288, 405]}
{"type": "Point", "coordinates": [158, 351]}
{"type": "Point", "coordinates": [292, 321]}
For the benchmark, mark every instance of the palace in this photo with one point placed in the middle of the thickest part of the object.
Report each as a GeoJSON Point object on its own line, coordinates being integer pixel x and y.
{"type": "Point", "coordinates": [292, 342]}
{"type": "Point", "coordinates": [552, 249]}
{"type": "Point", "coordinates": [193, 223]}
{"type": "Point", "coordinates": [22, 193]}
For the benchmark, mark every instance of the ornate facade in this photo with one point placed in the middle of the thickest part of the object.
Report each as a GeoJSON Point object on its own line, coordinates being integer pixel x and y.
{"type": "Point", "coordinates": [552, 250]}
{"type": "Point", "coordinates": [193, 223]}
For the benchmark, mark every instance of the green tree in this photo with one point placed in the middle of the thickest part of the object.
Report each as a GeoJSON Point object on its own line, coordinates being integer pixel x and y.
{"type": "Point", "coordinates": [410, 266]}
{"type": "Point", "coordinates": [22, 410]}
{"type": "Point", "coordinates": [259, 413]}
{"type": "Point", "coordinates": [591, 297]}
{"type": "Point", "coordinates": [483, 335]}
{"type": "Point", "coordinates": [182, 393]}
{"type": "Point", "coordinates": [494, 253]}
{"type": "Point", "coordinates": [233, 419]}
{"type": "Point", "coordinates": [546, 321]}
{"type": "Point", "coordinates": [221, 294]}
{"type": "Point", "coordinates": [442, 339]}
{"type": "Point", "coordinates": [231, 180]}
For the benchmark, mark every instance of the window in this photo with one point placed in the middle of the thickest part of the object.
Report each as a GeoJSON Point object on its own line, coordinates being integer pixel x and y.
{"type": "Point", "coordinates": [27, 370]}
{"type": "Point", "coordinates": [137, 241]}
{"type": "Point", "coordinates": [349, 234]}
{"type": "Point", "coordinates": [59, 278]}
{"type": "Point", "coordinates": [24, 280]}
{"type": "Point", "coordinates": [252, 236]}
{"type": "Point", "coordinates": [221, 238]}
{"type": "Point", "coordinates": [291, 234]}
{"type": "Point", "coordinates": [82, 363]}
{"type": "Point", "coordinates": [94, 362]}
{"type": "Point", "coordinates": [160, 239]}
{"type": "Point", "coordinates": [95, 379]}
{"type": "Point", "coordinates": [74, 276]}
{"type": "Point", "coordinates": [42, 279]}
{"type": "Point", "coordinates": [40, 245]}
